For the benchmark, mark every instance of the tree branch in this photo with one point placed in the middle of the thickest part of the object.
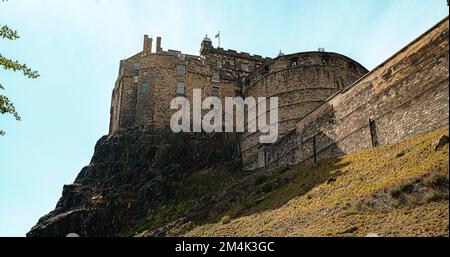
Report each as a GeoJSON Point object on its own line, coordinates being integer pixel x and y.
{"type": "Point", "coordinates": [9, 64]}
{"type": "Point", "coordinates": [6, 32]}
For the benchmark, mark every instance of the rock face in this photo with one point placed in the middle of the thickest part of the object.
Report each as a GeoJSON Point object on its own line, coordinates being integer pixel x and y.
{"type": "Point", "coordinates": [130, 173]}
{"type": "Point", "coordinates": [443, 141]}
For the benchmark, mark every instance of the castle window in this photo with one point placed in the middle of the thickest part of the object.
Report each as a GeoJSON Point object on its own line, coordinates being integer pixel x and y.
{"type": "Point", "coordinates": [215, 77]}
{"type": "Point", "coordinates": [244, 67]}
{"type": "Point", "coordinates": [130, 91]}
{"type": "Point", "coordinates": [135, 79]}
{"type": "Point", "coordinates": [326, 58]}
{"type": "Point", "coordinates": [351, 66]}
{"type": "Point", "coordinates": [219, 64]}
{"type": "Point", "coordinates": [180, 88]}
{"type": "Point", "coordinates": [215, 91]}
{"type": "Point", "coordinates": [294, 62]}
{"type": "Point", "coordinates": [136, 66]}
{"type": "Point", "coordinates": [226, 64]}
{"type": "Point", "coordinates": [144, 88]}
{"type": "Point", "coordinates": [181, 70]}
{"type": "Point", "coordinates": [264, 70]}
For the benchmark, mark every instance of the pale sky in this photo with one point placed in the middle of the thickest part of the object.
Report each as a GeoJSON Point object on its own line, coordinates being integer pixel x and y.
{"type": "Point", "coordinates": [76, 45]}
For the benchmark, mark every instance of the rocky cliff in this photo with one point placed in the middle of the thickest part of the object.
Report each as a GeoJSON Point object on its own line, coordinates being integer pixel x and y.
{"type": "Point", "coordinates": [132, 175]}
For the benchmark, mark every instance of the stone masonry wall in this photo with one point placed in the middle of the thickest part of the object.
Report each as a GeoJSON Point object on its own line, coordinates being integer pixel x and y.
{"type": "Point", "coordinates": [302, 82]}
{"type": "Point", "coordinates": [147, 82]}
{"type": "Point", "coordinates": [403, 97]}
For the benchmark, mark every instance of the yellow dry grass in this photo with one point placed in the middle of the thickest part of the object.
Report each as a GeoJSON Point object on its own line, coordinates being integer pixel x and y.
{"type": "Point", "coordinates": [349, 196]}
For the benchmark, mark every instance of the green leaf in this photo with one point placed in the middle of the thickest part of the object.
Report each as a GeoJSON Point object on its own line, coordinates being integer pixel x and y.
{"type": "Point", "coordinates": [6, 32]}
{"type": "Point", "coordinates": [9, 64]}
{"type": "Point", "coordinates": [7, 107]}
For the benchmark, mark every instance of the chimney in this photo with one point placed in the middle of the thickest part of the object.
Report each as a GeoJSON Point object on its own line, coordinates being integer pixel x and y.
{"type": "Point", "coordinates": [148, 44]}
{"type": "Point", "coordinates": [158, 45]}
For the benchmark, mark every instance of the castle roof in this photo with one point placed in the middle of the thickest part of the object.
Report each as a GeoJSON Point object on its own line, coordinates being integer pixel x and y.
{"type": "Point", "coordinates": [207, 39]}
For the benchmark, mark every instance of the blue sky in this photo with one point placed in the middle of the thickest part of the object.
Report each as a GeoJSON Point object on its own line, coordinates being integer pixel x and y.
{"type": "Point", "coordinates": [76, 46]}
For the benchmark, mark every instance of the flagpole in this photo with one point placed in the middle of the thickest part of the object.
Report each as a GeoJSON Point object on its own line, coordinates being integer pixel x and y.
{"type": "Point", "coordinates": [218, 37]}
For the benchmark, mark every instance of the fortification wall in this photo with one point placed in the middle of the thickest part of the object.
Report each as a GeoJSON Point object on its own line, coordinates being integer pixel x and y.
{"type": "Point", "coordinates": [302, 82]}
{"type": "Point", "coordinates": [403, 97]}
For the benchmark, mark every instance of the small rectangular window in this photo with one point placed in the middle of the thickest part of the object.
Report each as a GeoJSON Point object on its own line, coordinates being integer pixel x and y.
{"type": "Point", "coordinates": [136, 66]}
{"type": "Point", "coordinates": [130, 91]}
{"type": "Point", "coordinates": [181, 70]}
{"type": "Point", "coordinates": [215, 77]}
{"type": "Point", "coordinates": [144, 88]}
{"type": "Point", "coordinates": [244, 67]}
{"type": "Point", "coordinates": [294, 62]}
{"type": "Point", "coordinates": [135, 79]}
{"type": "Point", "coordinates": [219, 64]}
{"type": "Point", "coordinates": [180, 88]}
{"type": "Point", "coordinates": [215, 91]}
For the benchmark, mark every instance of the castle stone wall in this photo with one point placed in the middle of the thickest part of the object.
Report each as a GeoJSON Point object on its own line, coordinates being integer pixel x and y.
{"type": "Point", "coordinates": [147, 82]}
{"type": "Point", "coordinates": [405, 96]}
{"type": "Point", "coordinates": [302, 82]}
{"type": "Point", "coordinates": [329, 104]}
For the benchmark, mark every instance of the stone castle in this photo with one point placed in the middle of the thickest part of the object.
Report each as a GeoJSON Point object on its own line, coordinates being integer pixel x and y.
{"type": "Point", "coordinates": [329, 104]}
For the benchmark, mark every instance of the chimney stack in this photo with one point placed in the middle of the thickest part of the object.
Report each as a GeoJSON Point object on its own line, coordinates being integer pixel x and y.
{"type": "Point", "coordinates": [148, 44]}
{"type": "Point", "coordinates": [158, 45]}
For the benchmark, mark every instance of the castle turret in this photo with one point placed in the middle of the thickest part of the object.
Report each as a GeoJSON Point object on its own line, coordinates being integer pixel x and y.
{"type": "Point", "coordinates": [206, 45]}
{"type": "Point", "coordinates": [302, 82]}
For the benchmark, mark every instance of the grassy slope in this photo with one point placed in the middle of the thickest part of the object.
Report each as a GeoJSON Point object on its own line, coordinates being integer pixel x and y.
{"type": "Point", "coordinates": [395, 190]}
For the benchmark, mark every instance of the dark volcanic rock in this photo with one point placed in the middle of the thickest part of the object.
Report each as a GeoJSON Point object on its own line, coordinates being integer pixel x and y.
{"type": "Point", "coordinates": [130, 173]}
